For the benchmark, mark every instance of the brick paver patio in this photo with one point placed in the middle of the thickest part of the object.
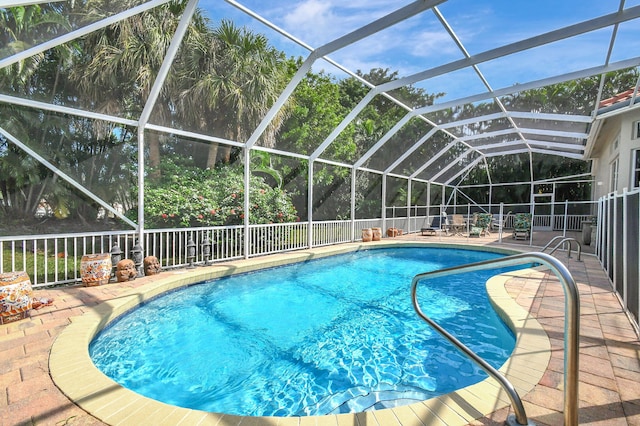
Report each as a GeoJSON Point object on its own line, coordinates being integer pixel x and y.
{"type": "Point", "coordinates": [609, 352]}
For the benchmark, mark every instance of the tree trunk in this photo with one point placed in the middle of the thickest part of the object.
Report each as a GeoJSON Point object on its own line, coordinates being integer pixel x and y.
{"type": "Point", "coordinates": [154, 155]}
{"type": "Point", "coordinates": [213, 155]}
{"type": "Point", "coordinates": [226, 153]}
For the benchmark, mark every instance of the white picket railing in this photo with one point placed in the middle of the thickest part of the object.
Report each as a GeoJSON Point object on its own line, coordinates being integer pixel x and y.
{"type": "Point", "coordinates": [56, 259]}
{"type": "Point", "coordinates": [277, 238]}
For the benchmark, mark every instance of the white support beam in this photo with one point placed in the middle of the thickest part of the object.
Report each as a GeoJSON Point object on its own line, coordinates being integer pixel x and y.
{"type": "Point", "coordinates": [411, 150]}
{"type": "Point", "coordinates": [29, 103]}
{"type": "Point", "coordinates": [386, 21]}
{"type": "Point", "coordinates": [282, 99]}
{"type": "Point", "coordinates": [485, 147]}
{"type": "Point", "coordinates": [515, 142]}
{"type": "Point", "coordinates": [539, 151]}
{"type": "Point", "coordinates": [535, 84]}
{"type": "Point", "coordinates": [508, 131]}
{"type": "Point", "coordinates": [79, 32]}
{"type": "Point", "coordinates": [167, 61]}
{"type": "Point", "coordinates": [343, 124]}
{"type": "Point", "coordinates": [434, 158]}
{"type": "Point", "coordinates": [334, 163]}
{"type": "Point", "coordinates": [465, 170]}
{"type": "Point", "coordinates": [542, 116]}
{"type": "Point", "coordinates": [472, 120]}
{"type": "Point", "coordinates": [556, 145]}
{"type": "Point", "coordinates": [450, 165]}
{"type": "Point", "coordinates": [576, 156]}
{"type": "Point", "coordinates": [558, 133]}
{"type": "Point", "coordinates": [486, 135]}
{"type": "Point", "coordinates": [384, 139]}
{"type": "Point", "coordinates": [269, 24]}
{"type": "Point", "coordinates": [16, 3]}
{"type": "Point", "coordinates": [585, 119]}
{"type": "Point", "coordinates": [192, 135]}
{"type": "Point", "coordinates": [66, 177]}
{"type": "Point", "coordinates": [536, 41]}
{"type": "Point", "coordinates": [510, 152]}
{"type": "Point", "coordinates": [560, 179]}
{"type": "Point", "coordinates": [337, 44]}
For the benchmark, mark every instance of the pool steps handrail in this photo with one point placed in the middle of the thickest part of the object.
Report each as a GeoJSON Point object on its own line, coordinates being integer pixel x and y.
{"type": "Point", "coordinates": [564, 240]}
{"type": "Point", "coordinates": [571, 329]}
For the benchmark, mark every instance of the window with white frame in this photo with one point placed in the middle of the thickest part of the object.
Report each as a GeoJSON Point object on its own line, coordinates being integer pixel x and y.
{"type": "Point", "coordinates": [635, 134]}
{"type": "Point", "coordinates": [613, 178]}
{"type": "Point", "coordinates": [635, 169]}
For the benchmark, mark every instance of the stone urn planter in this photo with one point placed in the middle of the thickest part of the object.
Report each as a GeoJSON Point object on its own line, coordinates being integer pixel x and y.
{"type": "Point", "coordinates": [376, 234]}
{"type": "Point", "coordinates": [95, 269]}
{"type": "Point", "coordinates": [394, 232]}
{"type": "Point", "coordinates": [15, 296]}
{"type": "Point", "coordinates": [367, 235]}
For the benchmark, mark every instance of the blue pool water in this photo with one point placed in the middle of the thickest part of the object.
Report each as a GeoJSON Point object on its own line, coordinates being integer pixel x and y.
{"type": "Point", "coordinates": [328, 336]}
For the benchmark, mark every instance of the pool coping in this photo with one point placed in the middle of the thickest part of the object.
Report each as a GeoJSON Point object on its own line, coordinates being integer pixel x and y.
{"type": "Point", "coordinates": [76, 376]}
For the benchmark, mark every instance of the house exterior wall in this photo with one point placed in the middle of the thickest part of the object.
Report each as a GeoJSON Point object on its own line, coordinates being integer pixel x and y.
{"type": "Point", "coordinates": [617, 142]}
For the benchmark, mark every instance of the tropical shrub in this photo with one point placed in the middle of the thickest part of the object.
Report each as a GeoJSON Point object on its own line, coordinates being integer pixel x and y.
{"type": "Point", "coordinates": [190, 196]}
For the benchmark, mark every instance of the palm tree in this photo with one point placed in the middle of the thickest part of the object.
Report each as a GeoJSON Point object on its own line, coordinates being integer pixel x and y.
{"type": "Point", "coordinates": [24, 181]}
{"type": "Point", "coordinates": [123, 60]}
{"type": "Point", "coordinates": [231, 81]}
{"type": "Point", "coordinates": [21, 28]}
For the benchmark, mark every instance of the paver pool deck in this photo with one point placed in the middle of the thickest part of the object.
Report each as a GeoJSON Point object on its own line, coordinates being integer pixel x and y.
{"type": "Point", "coordinates": [609, 387]}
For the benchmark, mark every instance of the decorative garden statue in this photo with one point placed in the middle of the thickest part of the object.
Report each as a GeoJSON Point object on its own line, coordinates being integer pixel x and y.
{"type": "Point", "coordinates": [151, 265]}
{"type": "Point", "coordinates": [126, 270]}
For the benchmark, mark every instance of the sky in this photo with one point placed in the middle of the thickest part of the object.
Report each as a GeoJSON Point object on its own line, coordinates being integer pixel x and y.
{"type": "Point", "coordinates": [421, 42]}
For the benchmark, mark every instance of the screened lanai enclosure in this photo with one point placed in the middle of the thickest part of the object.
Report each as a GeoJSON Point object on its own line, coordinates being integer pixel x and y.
{"type": "Point", "coordinates": [208, 130]}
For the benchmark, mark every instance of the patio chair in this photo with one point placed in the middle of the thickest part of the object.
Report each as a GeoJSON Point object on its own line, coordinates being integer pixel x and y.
{"type": "Point", "coordinates": [481, 224]}
{"type": "Point", "coordinates": [521, 226]}
{"type": "Point", "coordinates": [437, 225]}
{"type": "Point", "coordinates": [458, 224]}
{"type": "Point", "coordinates": [474, 229]}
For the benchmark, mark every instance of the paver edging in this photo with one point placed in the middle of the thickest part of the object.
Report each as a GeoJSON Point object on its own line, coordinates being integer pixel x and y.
{"type": "Point", "coordinates": [69, 355]}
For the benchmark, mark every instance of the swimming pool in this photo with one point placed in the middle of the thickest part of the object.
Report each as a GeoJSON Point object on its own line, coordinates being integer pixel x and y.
{"type": "Point", "coordinates": [385, 355]}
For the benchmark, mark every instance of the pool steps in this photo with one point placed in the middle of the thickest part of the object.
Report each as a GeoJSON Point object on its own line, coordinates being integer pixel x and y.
{"type": "Point", "coordinates": [572, 328]}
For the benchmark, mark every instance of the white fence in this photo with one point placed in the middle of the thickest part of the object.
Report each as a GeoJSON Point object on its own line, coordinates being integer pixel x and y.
{"type": "Point", "coordinates": [618, 246]}
{"type": "Point", "coordinates": [565, 216]}
{"type": "Point", "coordinates": [56, 259]}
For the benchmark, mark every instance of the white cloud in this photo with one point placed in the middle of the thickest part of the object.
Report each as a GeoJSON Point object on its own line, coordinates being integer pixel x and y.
{"type": "Point", "coordinates": [319, 21]}
{"type": "Point", "coordinates": [314, 21]}
{"type": "Point", "coordinates": [431, 43]}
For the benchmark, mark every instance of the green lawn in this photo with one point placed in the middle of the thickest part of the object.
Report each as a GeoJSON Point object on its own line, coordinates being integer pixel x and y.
{"type": "Point", "coordinates": [28, 261]}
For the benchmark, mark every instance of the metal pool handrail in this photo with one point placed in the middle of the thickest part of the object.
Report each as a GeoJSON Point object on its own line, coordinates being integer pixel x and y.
{"type": "Point", "coordinates": [564, 240]}
{"type": "Point", "coordinates": [571, 328]}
